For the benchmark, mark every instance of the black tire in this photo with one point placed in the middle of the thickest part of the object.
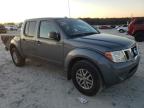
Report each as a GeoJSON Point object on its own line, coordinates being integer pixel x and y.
{"type": "Point", "coordinates": [121, 31]}
{"type": "Point", "coordinates": [93, 71]}
{"type": "Point", "coordinates": [18, 60]}
{"type": "Point", "coordinates": [139, 36]}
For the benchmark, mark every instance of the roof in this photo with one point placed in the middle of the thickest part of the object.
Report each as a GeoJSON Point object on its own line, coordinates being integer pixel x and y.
{"type": "Point", "coordinates": [53, 18]}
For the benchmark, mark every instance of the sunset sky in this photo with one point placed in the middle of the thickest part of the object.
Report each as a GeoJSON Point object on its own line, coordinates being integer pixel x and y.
{"type": "Point", "coordinates": [19, 10]}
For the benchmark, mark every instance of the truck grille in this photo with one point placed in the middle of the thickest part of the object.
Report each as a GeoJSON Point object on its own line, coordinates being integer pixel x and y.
{"type": "Point", "coordinates": [131, 53]}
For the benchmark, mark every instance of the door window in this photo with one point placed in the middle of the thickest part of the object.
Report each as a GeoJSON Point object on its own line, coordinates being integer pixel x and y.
{"type": "Point", "coordinates": [30, 28]}
{"type": "Point", "coordinates": [45, 28]}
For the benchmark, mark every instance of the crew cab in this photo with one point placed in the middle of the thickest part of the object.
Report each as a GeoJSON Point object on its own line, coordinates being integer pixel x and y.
{"type": "Point", "coordinates": [136, 29]}
{"type": "Point", "coordinates": [92, 60]}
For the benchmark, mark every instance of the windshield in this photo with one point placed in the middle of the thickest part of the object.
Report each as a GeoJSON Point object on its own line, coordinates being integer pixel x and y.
{"type": "Point", "coordinates": [75, 27]}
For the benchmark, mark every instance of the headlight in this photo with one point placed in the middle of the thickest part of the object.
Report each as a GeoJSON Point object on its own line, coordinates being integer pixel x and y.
{"type": "Point", "coordinates": [116, 56]}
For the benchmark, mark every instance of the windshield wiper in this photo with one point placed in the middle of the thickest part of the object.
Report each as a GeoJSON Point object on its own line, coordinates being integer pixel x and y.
{"type": "Point", "coordinates": [90, 33]}
{"type": "Point", "coordinates": [84, 34]}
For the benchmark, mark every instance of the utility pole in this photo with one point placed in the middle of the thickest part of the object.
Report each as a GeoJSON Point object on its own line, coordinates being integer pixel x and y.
{"type": "Point", "coordinates": [69, 8]}
{"type": "Point", "coordinates": [132, 17]}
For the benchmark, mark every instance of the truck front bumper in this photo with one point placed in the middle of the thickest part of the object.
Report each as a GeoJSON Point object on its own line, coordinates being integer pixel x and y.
{"type": "Point", "coordinates": [114, 73]}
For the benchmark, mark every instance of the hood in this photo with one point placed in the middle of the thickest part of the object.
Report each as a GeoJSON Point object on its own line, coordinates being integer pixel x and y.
{"type": "Point", "coordinates": [105, 42]}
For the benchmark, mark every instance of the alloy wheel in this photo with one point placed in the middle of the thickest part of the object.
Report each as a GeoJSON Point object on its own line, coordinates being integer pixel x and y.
{"type": "Point", "coordinates": [84, 79]}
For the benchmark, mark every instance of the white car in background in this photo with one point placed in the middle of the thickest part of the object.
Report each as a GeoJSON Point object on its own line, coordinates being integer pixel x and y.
{"type": "Point", "coordinates": [123, 28]}
{"type": "Point", "coordinates": [11, 27]}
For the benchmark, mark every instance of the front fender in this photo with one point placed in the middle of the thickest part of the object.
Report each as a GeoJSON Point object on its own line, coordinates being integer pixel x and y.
{"type": "Point", "coordinates": [95, 57]}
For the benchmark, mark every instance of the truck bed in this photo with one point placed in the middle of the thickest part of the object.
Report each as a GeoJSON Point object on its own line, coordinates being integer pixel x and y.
{"type": "Point", "coordinates": [6, 39]}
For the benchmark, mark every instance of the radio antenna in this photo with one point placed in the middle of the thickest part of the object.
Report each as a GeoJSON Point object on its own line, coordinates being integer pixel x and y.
{"type": "Point", "coordinates": [69, 8]}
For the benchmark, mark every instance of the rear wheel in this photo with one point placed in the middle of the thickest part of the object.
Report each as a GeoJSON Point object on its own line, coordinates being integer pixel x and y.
{"type": "Point", "coordinates": [18, 60]}
{"type": "Point", "coordinates": [139, 36]}
{"type": "Point", "coordinates": [86, 78]}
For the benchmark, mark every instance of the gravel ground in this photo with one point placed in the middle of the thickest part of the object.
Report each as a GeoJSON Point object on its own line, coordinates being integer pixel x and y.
{"type": "Point", "coordinates": [43, 85]}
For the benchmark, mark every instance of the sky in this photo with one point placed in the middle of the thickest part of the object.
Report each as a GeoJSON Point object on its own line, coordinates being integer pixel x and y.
{"type": "Point", "coordinates": [19, 10]}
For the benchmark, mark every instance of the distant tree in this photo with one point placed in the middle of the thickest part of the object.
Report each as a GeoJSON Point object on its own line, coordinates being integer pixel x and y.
{"type": "Point", "coordinates": [107, 21]}
{"type": "Point", "coordinates": [9, 23]}
{"type": "Point", "coordinates": [19, 25]}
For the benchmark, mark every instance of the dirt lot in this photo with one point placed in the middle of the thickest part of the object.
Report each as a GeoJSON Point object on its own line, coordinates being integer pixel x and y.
{"type": "Point", "coordinates": [43, 85]}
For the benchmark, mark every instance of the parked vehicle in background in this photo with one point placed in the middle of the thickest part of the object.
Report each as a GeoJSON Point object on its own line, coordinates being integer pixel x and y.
{"type": "Point", "coordinates": [117, 26]}
{"type": "Point", "coordinates": [11, 27]}
{"type": "Point", "coordinates": [112, 26]}
{"type": "Point", "coordinates": [104, 27]}
{"type": "Point", "coordinates": [136, 29]}
{"type": "Point", "coordinates": [123, 28]}
{"type": "Point", "coordinates": [90, 58]}
{"type": "Point", "coordinates": [2, 29]}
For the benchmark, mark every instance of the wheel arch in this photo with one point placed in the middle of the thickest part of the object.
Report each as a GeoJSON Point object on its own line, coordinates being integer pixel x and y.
{"type": "Point", "coordinates": [73, 59]}
{"type": "Point", "coordinates": [17, 44]}
{"type": "Point", "coordinates": [137, 32]}
{"type": "Point", "coordinates": [12, 46]}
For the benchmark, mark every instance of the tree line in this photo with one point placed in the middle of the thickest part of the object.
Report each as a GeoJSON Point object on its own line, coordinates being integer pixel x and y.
{"type": "Point", "coordinates": [108, 21]}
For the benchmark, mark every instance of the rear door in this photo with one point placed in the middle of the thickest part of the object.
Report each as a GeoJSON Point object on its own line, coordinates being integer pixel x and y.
{"type": "Point", "coordinates": [28, 38]}
{"type": "Point", "coordinates": [47, 48]}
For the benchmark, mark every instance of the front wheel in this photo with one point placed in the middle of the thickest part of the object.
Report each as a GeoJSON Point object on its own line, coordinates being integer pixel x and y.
{"type": "Point", "coordinates": [86, 78]}
{"type": "Point", "coordinates": [18, 60]}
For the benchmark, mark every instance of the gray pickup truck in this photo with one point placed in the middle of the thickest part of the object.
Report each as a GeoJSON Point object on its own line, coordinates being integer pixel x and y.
{"type": "Point", "coordinates": [92, 60]}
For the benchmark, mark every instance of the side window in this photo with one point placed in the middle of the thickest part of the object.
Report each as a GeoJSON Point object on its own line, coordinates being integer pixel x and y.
{"type": "Point", "coordinates": [45, 28]}
{"type": "Point", "coordinates": [26, 28]}
{"type": "Point", "coordinates": [30, 28]}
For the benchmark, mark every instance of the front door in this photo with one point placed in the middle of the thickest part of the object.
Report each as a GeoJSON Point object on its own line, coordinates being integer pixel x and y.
{"type": "Point", "coordinates": [47, 48]}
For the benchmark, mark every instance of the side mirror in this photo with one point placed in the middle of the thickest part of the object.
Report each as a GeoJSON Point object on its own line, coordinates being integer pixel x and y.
{"type": "Point", "coordinates": [54, 36]}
